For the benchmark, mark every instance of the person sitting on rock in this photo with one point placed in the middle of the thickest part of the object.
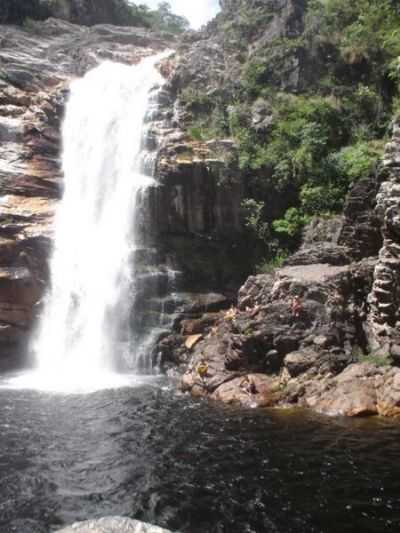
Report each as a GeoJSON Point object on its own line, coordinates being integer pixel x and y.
{"type": "Point", "coordinates": [202, 369]}
{"type": "Point", "coordinates": [253, 311]}
{"type": "Point", "coordinates": [248, 386]}
{"type": "Point", "coordinates": [231, 314]}
{"type": "Point", "coordinates": [296, 307]}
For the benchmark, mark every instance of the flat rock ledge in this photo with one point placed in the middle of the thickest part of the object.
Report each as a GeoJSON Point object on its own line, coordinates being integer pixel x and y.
{"type": "Point", "coordinates": [263, 354]}
{"type": "Point", "coordinates": [113, 524]}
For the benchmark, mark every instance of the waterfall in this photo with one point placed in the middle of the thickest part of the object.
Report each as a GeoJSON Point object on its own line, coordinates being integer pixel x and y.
{"type": "Point", "coordinates": [85, 315]}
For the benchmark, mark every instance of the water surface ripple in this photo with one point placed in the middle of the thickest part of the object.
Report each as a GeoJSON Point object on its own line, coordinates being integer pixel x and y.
{"type": "Point", "coordinates": [195, 467]}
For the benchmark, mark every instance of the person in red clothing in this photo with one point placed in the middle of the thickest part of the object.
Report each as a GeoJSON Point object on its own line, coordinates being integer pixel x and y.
{"type": "Point", "coordinates": [296, 307]}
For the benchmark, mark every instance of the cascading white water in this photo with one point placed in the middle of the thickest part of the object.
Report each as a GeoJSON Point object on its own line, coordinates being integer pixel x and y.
{"type": "Point", "coordinates": [95, 222]}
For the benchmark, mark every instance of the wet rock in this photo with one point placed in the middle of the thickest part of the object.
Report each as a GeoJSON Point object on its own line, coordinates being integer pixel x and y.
{"type": "Point", "coordinates": [195, 303]}
{"type": "Point", "coordinates": [352, 393]}
{"type": "Point", "coordinates": [113, 525]}
{"type": "Point", "coordinates": [192, 340]}
{"type": "Point", "coordinates": [199, 325]}
{"type": "Point", "coordinates": [171, 350]}
{"type": "Point", "coordinates": [253, 390]}
{"type": "Point", "coordinates": [388, 394]}
{"type": "Point", "coordinates": [347, 399]}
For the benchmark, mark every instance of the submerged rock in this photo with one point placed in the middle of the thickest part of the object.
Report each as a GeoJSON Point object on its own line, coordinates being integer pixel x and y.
{"type": "Point", "coordinates": [113, 525]}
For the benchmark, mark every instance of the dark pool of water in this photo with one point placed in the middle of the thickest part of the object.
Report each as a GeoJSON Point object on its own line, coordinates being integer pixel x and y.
{"type": "Point", "coordinates": [192, 466]}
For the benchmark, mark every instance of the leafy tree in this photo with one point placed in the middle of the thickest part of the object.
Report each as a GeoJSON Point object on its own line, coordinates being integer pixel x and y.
{"type": "Point", "coordinates": [119, 12]}
{"type": "Point", "coordinates": [164, 19]}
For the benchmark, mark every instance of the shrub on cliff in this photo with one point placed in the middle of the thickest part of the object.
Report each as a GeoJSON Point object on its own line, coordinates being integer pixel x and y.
{"type": "Point", "coordinates": [311, 106]}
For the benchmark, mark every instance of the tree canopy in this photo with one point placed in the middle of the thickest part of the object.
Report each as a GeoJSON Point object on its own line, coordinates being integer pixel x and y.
{"type": "Point", "coordinates": [119, 12]}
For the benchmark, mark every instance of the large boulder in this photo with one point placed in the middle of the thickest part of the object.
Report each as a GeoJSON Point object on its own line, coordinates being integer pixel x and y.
{"type": "Point", "coordinates": [113, 525]}
{"type": "Point", "coordinates": [265, 335]}
{"type": "Point", "coordinates": [352, 393]}
{"type": "Point", "coordinates": [252, 390]}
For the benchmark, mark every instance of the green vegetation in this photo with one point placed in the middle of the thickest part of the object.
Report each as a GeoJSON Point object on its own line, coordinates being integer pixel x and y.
{"type": "Point", "coordinates": [373, 359]}
{"type": "Point", "coordinates": [323, 130]}
{"type": "Point", "coordinates": [252, 214]}
{"type": "Point", "coordinates": [269, 265]}
{"type": "Point", "coordinates": [162, 18]}
{"type": "Point", "coordinates": [119, 12]}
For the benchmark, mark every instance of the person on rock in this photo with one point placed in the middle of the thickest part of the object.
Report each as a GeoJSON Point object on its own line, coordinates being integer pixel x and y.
{"type": "Point", "coordinates": [202, 369]}
{"type": "Point", "coordinates": [296, 307]}
{"type": "Point", "coordinates": [231, 313]}
{"type": "Point", "coordinates": [248, 386]}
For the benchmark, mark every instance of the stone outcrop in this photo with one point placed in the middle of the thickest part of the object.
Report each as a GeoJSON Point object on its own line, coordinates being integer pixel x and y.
{"type": "Point", "coordinates": [341, 239]}
{"type": "Point", "coordinates": [384, 319]}
{"type": "Point", "coordinates": [113, 525]}
{"type": "Point", "coordinates": [266, 334]}
{"type": "Point", "coordinates": [361, 390]}
{"type": "Point", "coordinates": [196, 209]}
{"type": "Point", "coordinates": [322, 332]}
{"type": "Point", "coordinates": [361, 230]}
{"type": "Point", "coordinates": [36, 67]}
{"type": "Point", "coordinates": [321, 244]}
{"type": "Point", "coordinates": [265, 353]}
{"type": "Point", "coordinates": [199, 205]}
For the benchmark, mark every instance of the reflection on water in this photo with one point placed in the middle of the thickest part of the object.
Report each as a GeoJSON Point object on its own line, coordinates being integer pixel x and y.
{"type": "Point", "coordinates": [148, 453]}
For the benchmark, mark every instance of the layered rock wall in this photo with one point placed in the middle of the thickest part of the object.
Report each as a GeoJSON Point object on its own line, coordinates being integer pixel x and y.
{"type": "Point", "coordinates": [383, 325]}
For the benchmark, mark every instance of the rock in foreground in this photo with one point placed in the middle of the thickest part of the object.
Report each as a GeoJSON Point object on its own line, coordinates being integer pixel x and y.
{"type": "Point", "coordinates": [113, 525]}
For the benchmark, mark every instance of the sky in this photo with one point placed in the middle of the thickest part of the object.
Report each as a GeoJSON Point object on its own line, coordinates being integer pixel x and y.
{"type": "Point", "coordinates": [198, 12]}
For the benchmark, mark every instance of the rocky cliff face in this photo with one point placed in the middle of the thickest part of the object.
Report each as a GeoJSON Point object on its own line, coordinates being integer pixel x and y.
{"type": "Point", "coordinates": [383, 326]}
{"type": "Point", "coordinates": [199, 207]}
{"type": "Point", "coordinates": [36, 67]}
{"type": "Point", "coordinates": [321, 332]}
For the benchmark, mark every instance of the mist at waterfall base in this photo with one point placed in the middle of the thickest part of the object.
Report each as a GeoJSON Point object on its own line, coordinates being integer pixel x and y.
{"type": "Point", "coordinates": [86, 316]}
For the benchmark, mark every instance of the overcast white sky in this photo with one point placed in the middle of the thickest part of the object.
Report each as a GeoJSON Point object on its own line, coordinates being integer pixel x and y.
{"type": "Point", "coordinates": [198, 12]}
